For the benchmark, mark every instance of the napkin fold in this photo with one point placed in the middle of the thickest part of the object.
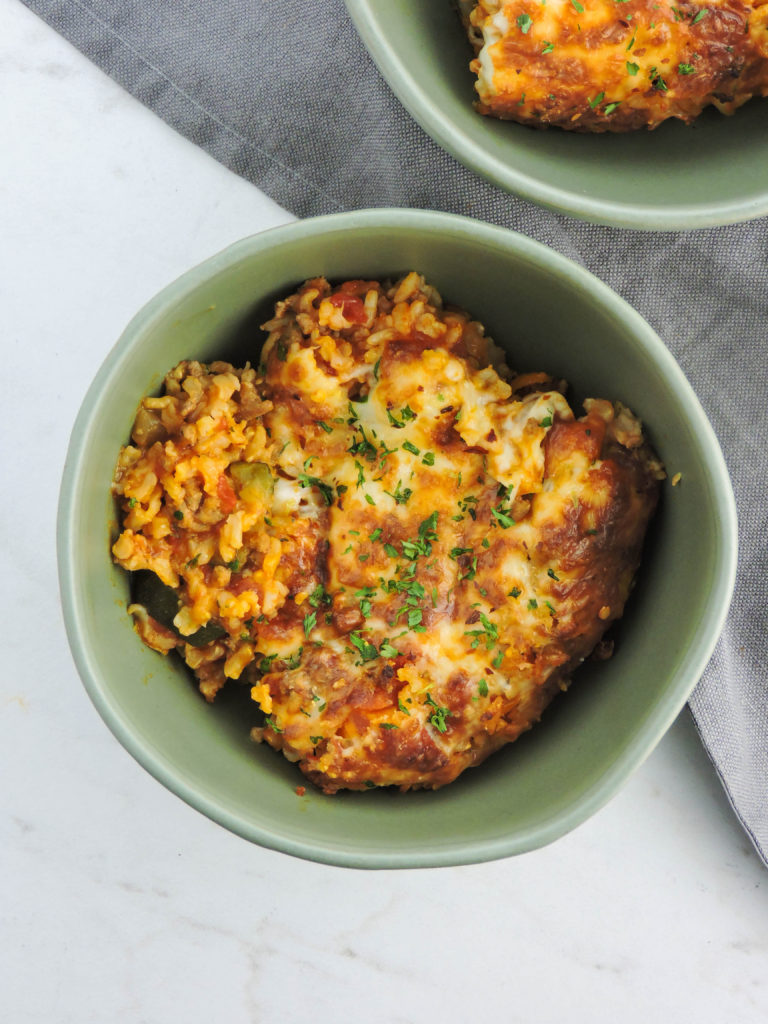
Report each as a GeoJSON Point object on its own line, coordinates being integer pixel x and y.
{"type": "Point", "coordinates": [285, 95]}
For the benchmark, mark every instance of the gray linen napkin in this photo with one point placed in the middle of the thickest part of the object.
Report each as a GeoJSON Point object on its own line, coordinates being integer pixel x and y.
{"type": "Point", "coordinates": [250, 81]}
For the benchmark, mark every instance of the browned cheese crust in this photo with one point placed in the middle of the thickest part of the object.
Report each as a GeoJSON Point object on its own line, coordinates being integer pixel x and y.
{"type": "Point", "coordinates": [406, 547]}
{"type": "Point", "coordinates": [616, 65]}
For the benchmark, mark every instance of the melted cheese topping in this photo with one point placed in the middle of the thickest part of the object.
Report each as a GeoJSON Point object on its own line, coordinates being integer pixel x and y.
{"type": "Point", "coordinates": [616, 65]}
{"type": "Point", "coordinates": [406, 548]}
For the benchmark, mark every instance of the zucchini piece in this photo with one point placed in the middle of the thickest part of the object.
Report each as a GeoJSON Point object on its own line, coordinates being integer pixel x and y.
{"type": "Point", "coordinates": [253, 480]}
{"type": "Point", "coordinates": [162, 603]}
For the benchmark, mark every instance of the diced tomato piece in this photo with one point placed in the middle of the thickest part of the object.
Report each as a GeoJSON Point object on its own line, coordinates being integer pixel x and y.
{"type": "Point", "coordinates": [352, 307]}
{"type": "Point", "coordinates": [227, 496]}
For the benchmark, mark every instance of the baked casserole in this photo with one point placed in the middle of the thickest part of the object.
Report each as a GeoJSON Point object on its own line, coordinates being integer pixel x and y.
{"type": "Point", "coordinates": [402, 546]}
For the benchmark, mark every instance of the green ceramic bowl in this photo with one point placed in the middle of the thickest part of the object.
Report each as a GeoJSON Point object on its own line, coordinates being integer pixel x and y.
{"type": "Point", "coordinates": [551, 315]}
{"type": "Point", "coordinates": [715, 172]}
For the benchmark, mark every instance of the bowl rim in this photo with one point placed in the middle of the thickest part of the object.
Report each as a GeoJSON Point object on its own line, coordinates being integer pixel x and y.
{"type": "Point", "coordinates": [659, 717]}
{"type": "Point", "coordinates": [464, 148]}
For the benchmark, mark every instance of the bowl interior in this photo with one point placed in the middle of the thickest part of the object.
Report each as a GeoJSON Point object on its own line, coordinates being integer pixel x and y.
{"type": "Point", "coordinates": [549, 315]}
{"type": "Point", "coordinates": [713, 172]}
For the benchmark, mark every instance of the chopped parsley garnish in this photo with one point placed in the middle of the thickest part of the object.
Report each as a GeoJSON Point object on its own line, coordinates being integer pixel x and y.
{"type": "Point", "coordinates": [376, 534]}
{"type": "Point", "coordinates": [593, 103]}
{"type": "Point", "coordinates": [272, 724]}
{"type": "Point", "coordinates": [489, 632]}
{"type": "Point", "coordinates": [524, 23]}
{"type": "Point", "coordinates": [482, 688]}
{"type": "Point", "coordinates": [406, 413]}
{"type": "Point", "coordinates": [408, 447]}
{"type": "Point", "coordinates": [234, 565]}
{"type": "Point", "coordinates": [551, 574]}
{"type": "Point", "coordinates": [533, 604]}
{"type": "Point", "coordinates": [548, 47]}
{"type": "Point", "coordinates": [388, 651]}
{"type": "Point", "coordinates": [368, 651]}
{"type": "Point", "coordinates": [369, 499]}
{"type": "Point", "coordinates": [428, 459]}
{"type": "Point", "coordinates": [503, 518]}
{"type": "Point", "coordinates": [610, 108]}
{"type": "Point", "coordinates": [400, 496]}
{"type": "Point", "coordinates": [403, 708]}
{"type": "Point", "coordinates": [686, 69]}
{"type": "Point", "coordinates": [310, 621]}
{"type": "Point", "coordinates": [700, 15]}
{"type": "Point", "coordinates": [363, 446]}
{"type": "Point", "coordinates": [578, 6]}
{"type": "Point", "coordinates": [391, 550]}
{"type": "Point", "coordinates": [321, 423]}
{"type": "Point", "coordinates": [376, 366]}
{"type": "Point", "coordinates": [312, 481]}
{"type": "Point", "coordinates": [266, 662]}
{"type": "Point", "coordinates": [319, 596]}
{"type": "Point", "coordinates": [632, 68]}
{"type": "Point", "coordinates": [499, 657]}
{"type": "Point", "coordinates": [657, 81]}
{"type": "Point", "coordinates": [132, 503]}
{"type": "Point", "coordinates": [388, 725]}
{"type": "Point", "coordinates": [439, 715]}
{"type": "Point", "coordinates": [454, 553]}
{"type": "Point", "coordinates": [515, 592]}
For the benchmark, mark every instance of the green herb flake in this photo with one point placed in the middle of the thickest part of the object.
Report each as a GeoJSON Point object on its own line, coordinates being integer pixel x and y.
{"type": "Point", "coordinates": [310, 621]}
{"type": "Point", "coordinates": [533, 604]}
{"type": "Point", "coordinates": [439, 715]}
{"type": "Point", "coordinates": [686, 69]}
{"type": "Point", "coordinates": [367, 650]}
{"type": "Point", "coordinates": [400, 495]}
{"type": "Point", "coordinates": [321, 423]}
{"type": "Point", "coordinates": [503, 518]}
{"type": "Point", "coordinates": [408, 447]}
{"type": "Point", "coordinates": [551, 574]}
{"type": "Point", "coordinates": [657, 81]}
{"type": "Point", "coordinates": [524, 23]}
{"type": "Point", "coordinates": [515, 592]}
{"type": "Point", "coordinates": [369, 499]}
{"type": "Point", "coordinates": [318, 597]}
{"type": "Point", "coordinates": [482, 688]}
{"type": "Point", "coordinates": [632, 68]}
{"type": "Point", "coordinates": [548, 47]}
{"type": "Point", "coordinates": [700, 15]}
{"type": "Point", "coordinates": [312, 481]}
{"type": "Point", "coordinates": [498, 659]}
{"type": "Point", "coordinates": [428, 459]}
{"type": "Point", "coordinates": [375, 535]}
{"type": "Point", "coordinates": [593, 103]}
{"type": "Point", "coordinates": [387, 650]}
{"type": "Point", "coordinates": [578, 6]}
{"type": "Point", "coordinates": [610, 108]}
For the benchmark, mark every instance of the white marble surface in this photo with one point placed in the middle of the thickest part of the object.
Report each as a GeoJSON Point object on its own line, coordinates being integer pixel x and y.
{"type": "Point", "coordinates": [120, 903]}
